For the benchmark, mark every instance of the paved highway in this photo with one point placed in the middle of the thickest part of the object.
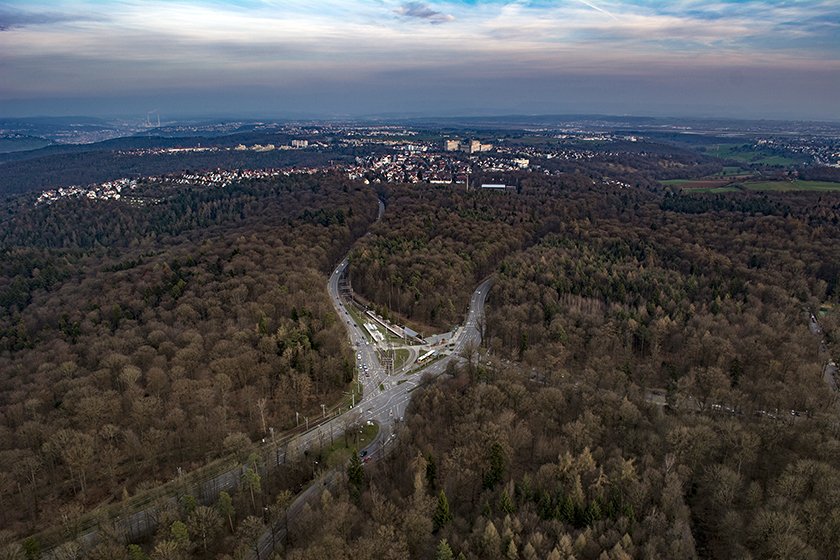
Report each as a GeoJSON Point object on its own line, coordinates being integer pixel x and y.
{"type": "Point", "coordinates": [383, 407]}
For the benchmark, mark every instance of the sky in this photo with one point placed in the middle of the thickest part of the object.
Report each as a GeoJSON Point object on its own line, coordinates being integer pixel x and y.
{"type": "Point", "coordinates": [337, 58]}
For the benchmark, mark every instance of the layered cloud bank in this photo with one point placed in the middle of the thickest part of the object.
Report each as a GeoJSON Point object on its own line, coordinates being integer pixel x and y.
{"type": "Point", "coordinates": [347, 56]}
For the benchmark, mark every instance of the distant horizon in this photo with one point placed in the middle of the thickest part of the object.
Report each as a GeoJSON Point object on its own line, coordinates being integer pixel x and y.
{"type": "Point", "coordinates": [751, 59]}
{"type": "Point", "coordinates": [167, 119]}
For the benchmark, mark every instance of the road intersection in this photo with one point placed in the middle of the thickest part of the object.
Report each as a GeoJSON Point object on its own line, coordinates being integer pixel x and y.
{"type": "Point", "coordinates": [384, 398]}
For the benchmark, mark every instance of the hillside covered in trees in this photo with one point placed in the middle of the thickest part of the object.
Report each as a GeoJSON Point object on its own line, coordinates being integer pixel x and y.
{"type": "Point", "coordinates": [649, 385]}
{"type": "Point", "coordinates": [493, 465]}
{"type": "Point", "coordinates": [433, 245]}
{"type": "Point", "coordinates": [137, 340]}
{"type": "Point", "coordinates": [655, 392]}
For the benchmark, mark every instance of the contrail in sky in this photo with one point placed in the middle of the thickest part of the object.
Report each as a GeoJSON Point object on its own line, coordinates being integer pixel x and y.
{"type": "Point", "coordinates": [596, 8]}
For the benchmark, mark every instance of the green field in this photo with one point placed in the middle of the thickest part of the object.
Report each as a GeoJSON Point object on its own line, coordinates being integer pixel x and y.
{"type": "Point", "coordinates": [730, 170]}
{"type": "Point", "coordinates": [787, 186]}
{"type": "Point", "coordinates": [771, 186]}
{"type": "Point", "coordinates": [341, 448]}
{"type": "Point", "coordinates": [401, 357]}
{"type": "Point", "coordinates": [716, 190]}
{"type": "Point", "coordinates": [747, 154]}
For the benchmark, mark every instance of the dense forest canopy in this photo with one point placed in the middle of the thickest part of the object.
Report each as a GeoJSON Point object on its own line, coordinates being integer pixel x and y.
{"type": "Point", "coordinates": [434, 245]}
{"type": "Point", "coordinates": [648, 386]}
{"type": "Point", "coordinates": [138, 339]}
{"type": "Point", "coordinates": [673, 405]}
{"type": "Point", "coordinates": [493, 465]}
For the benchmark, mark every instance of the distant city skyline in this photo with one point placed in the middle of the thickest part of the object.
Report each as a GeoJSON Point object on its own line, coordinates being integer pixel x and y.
{"type": "Point", "coordinates": [336, 58]}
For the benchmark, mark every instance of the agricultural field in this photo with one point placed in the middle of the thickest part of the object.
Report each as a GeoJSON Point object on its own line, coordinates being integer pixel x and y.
{"type": "Point", "coordinates": [723, 186]}
{"type": "Point", "coordinates": [701, 185]}
{"type": "Point", "coordinates": [732, 171]}
{"type": "Point", "coordinates": [718, 190]}
{"type": "Point", "coordinates": [787, 186]}
{"type": "Point", "coordinates": [748, 153]}
{"type": "Point", "coordinates": [692, 183]}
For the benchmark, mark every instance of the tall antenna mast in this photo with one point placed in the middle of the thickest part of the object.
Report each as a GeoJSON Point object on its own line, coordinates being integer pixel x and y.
{"type": "Point", "coordinates": [149, 120]}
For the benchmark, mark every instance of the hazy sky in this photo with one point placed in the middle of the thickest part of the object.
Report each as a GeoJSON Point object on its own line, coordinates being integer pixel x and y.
{"type": "Point", "coordinates": [349, 57]}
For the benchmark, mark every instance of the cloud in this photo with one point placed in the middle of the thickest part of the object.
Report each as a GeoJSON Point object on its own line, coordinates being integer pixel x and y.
{"type": "Point", "coordinates": [10, 18]}
{"type": "Point", "coordinates": [300, 50]}
{"type": "Point", "coordinates": [419, 10]}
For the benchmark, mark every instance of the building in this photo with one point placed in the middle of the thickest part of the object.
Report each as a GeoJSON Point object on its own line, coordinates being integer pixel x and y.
{"type": "Point", "coordinates": [474, 146]}
{"type": "Point", "coordinates": [300, 143]}
{"type": "Point", "coordinates": [451, 145]}
{"type": "Point", "coordinates": [493, 186]}
{"type": "Point", "coordinates": [471, 147]}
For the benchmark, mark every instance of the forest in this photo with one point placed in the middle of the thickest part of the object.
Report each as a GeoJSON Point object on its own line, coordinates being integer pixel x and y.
{"type": "Point", "coordinates": [659, 326]}
{"type": "Point", "coordinates": [648, 385]}
{"type": "Point", "coordinates": [422, 261]}
{"type": "Point", "coordinates": [140, 340]}
{"type": "Point", "coordinates": [492, 464]}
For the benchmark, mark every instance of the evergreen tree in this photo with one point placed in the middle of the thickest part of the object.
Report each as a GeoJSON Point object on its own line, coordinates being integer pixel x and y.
{"type": "Point", "coordinates": [225, 507]}
{"type": "Point", "coordinates": [355, 475]}
{"type": "Point", "coordinates": [431, 470]}
{"type": "Point", "coordinates": [496, 472]}
{"type": "Point", "coordinates": [136, 553]}
{"type": "Point", "coordinates": [180, 534]}
{"type": "Point", "coordinates": [444, 552]}
{"type": "Point", "coordinates": [593, 512]}
{"type": "Point", "coordinates": [442, 515]}
{"type": "Point", "coordinates": [189, 503]}
{"type": "Point", "coordinates": [252, 481]}
{"type": "Point", "coordinates": [31, 548]}
{"type": "Point", "coordinates": [506, 503]}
